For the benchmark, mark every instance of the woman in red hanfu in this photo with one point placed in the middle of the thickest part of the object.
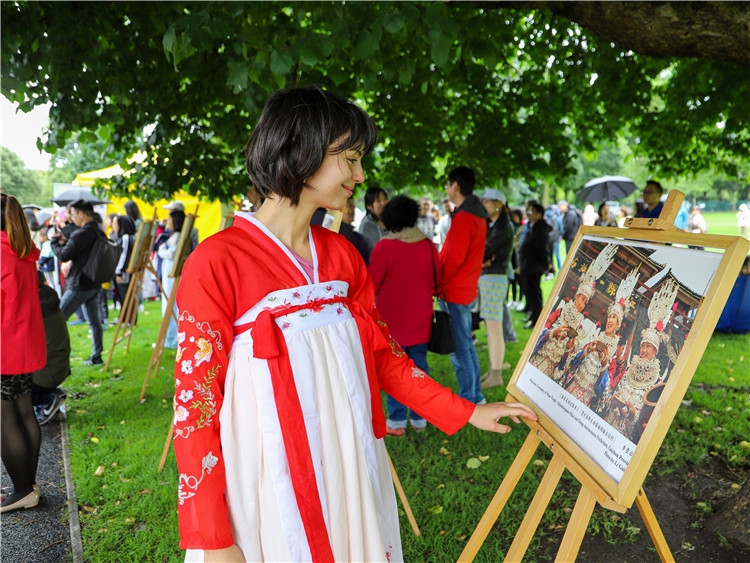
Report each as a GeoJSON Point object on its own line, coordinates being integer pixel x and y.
{"type": "Point", "coordinates": [281, 359]}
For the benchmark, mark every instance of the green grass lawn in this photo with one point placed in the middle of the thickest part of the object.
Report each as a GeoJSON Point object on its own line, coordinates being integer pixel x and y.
{"type": "Point", "coordinates": [722, 223]}
{"type": "Point", "coordinates": [128, 509]}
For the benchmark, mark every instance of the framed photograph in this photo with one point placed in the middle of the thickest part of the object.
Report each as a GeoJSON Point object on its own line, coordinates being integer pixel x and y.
{"type": "Point", "coordinates": [618, 342]}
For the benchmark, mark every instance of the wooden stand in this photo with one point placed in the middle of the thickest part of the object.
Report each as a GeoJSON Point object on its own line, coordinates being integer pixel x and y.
{"type": "Point", "coordinates": [591, 491]}
{"type": "Point", "coordinates": [140, 262]}
{"type": "Point", "coordinates": [183, 246]}
{"type": "Point", "coordinates": [590, 494]}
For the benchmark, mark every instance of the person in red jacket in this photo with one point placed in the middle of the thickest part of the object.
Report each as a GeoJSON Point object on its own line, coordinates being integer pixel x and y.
{"type": "Point", "coordinates": [404, 268]}
{"type": "Point", "coordinates": [461, 261]}
{"type": "Point", "coordinates": [24, 352]}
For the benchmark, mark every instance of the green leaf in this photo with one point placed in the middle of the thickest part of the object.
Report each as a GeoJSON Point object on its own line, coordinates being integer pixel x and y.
{"type": "Point", "coordinates": [473, 463]}
{"type": "Point", "coordinates": [238, 76]}
{"type": "Point", "coordinates": [368, 43]}
{"type": "Point", "coordinates": [435, 509]}
{"type": "Point", "coordinates": [441, 45]}
{"type": "Point", "coordinates": [281, 63]}
{"type": "Point", "coordinates": [393, 23]}
{"type": "Point", "coordinates": [406, 73]}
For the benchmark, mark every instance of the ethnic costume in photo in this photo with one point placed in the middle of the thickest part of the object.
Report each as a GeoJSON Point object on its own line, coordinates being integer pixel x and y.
{"type": "Point", "coordinates": [626, 402]}
{"type": "Point", "coordinates": [272, 383]}
{"type": "Point", "coordinates": [590, 364]}
{"type": "Point", "coordinates": [564, 327]}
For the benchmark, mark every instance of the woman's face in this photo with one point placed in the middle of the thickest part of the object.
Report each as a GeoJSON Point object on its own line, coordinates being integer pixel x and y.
{"type": "Point", "coordinates": [579, 302]}
{"type": "Point", "coordinates": [333, 183]}
{"type": "Point", "coordinates": [115, 225]}
{"type": "Point", "coordinates": [377, 206]}
{"type": "Point", "coordinates": [169, 224]}
{"type": "Point", "coordinates": [647, 350]}
{"type": "Point", "coordinates": [612, 325]}
{"type": "Point", "coordinates": [492, 207]}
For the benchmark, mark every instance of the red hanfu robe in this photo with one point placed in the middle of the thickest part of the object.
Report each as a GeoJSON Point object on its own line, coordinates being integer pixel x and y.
{"type": "Point", "coordinates": [278, 418]}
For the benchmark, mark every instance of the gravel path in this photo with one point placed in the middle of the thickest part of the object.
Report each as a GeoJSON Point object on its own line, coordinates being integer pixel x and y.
{"type": "Point", "coordinates": [45, 534]}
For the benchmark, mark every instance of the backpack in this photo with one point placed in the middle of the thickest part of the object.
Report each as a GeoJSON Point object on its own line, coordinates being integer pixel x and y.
{"type": "Point", "coordinates": [102, 262]}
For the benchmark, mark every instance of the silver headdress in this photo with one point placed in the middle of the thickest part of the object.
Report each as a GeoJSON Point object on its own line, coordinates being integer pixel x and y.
{"type": "Point", "coordinates": [659, 312]}
{"type": "Point", "coordinates": [595, 270]}
{"type": "Point", "coordinates": [622, 296]}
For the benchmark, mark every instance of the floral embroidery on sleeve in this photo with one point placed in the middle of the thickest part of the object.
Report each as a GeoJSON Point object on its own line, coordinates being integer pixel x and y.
{"type": "Point", "coordinates": [204, 353]}
{"type": "Point", "coordinates": [198, 398]}
{"type": "Point", "coordinates": [191, 483]}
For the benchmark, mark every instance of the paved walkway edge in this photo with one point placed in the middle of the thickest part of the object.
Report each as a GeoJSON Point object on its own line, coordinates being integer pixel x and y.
{"type": "Point", "coordinates": [76, 544]}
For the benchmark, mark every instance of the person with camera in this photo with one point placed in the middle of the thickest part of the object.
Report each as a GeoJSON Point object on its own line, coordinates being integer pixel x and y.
{"type": "Point", "coordinates": [76, 246]}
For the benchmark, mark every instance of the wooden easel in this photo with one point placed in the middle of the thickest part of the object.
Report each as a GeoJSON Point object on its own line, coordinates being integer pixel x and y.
{"type": "Point", "coordinates": [140, 261]}
{"type": "Point", "coordinates": [591, 492]}
{"type": "Point", "coordinates": [183, 247]}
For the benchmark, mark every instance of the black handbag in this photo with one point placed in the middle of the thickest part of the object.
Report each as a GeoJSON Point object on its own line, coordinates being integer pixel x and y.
{"type": "Point", "coordinates": [441, 339]}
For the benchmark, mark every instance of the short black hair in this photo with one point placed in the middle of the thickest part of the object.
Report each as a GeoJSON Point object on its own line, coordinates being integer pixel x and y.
{"type": "Point", "coordinates": [534, 205]}
{"type": "Point", "coordinates": [178, 219]}
{"type": "Point", "coordinates": [131, 208]}
{"type": "Point", "coordinates": [83, 206]}
{"type": "Point", "coordinates": [371, 196]}
{"type": "Point", "coordinates": [465, 178]}
{"type": "Point", "coordinates": [294, 134]}
{"type": "Point", "coordinates": [656, 184]}
{"type": "Point", "coordinates": [125, 225]}
{"type": "Point", "coordinates": [400, 213]}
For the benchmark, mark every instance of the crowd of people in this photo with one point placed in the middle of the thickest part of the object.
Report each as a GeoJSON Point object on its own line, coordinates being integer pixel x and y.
{"type": "Point", "coordinates": [286, 333]}
{"type": "Point", "coordinates": [45, 283]}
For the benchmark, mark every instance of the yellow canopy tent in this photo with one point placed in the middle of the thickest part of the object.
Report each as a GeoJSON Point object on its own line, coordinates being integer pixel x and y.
{"type": "Point", "coordinates": [207, 222]}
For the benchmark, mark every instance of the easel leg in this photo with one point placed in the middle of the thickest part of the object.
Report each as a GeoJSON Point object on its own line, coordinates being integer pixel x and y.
{"type": "Point", "coordinates": [652, 525]}
{"type": "Point", "coordinates": [167, 445]}
{"type": "Point", "coordinates": [522, 460]}
{"type": "Point", "coordinates": [155, 361]}
{"type": "Point", "coordinates": [402, 496]}
{"type": "Point", "coordinates": [536, 510]}
{"type": "Point", "coordinates": [579, 521]}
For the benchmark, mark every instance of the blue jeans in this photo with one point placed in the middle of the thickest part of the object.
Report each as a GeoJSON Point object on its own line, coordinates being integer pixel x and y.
{"type": "Point", "coordinates": [89, 298]}
{"type": "Point", "coordinates": [465, 359]}
{"type": "Point", "coordinates": [557, 255]}
{"type": "Point", "coordinates": [509, 333]}
{"type": "Point", "coordinates": [396, 410]}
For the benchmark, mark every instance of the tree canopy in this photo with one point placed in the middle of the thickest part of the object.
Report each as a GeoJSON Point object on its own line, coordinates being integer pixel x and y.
{"type": "Point", "coordinates": [511, 89]}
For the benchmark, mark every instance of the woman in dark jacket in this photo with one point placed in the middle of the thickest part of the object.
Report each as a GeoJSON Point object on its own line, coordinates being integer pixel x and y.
{"type": "Point", "coordinates": [535, 259]}
{"type": "Point", "coordinates": [493, 282]}
{"type": "Point", "coordinates": [124, 227]}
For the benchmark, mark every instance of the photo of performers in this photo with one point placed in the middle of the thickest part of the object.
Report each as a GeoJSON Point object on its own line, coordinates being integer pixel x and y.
{"type": "Point", "coordinates": [623, 315]}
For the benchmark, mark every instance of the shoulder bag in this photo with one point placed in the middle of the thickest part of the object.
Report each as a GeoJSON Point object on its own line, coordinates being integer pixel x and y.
{"type": "Point", "coordinates": [102, 262]}
{"type": "Point", "coordinates": [441, 339]}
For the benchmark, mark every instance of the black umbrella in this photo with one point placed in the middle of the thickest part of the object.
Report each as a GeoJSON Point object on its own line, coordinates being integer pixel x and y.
{"type": "Point", "coordinates": [607, 188]}
{"type": "Point", "coordinates": [74, 193]}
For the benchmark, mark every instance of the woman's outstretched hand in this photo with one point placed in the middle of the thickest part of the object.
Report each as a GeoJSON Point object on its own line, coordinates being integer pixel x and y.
{"type": "Point", "coordinates": [485, 417]}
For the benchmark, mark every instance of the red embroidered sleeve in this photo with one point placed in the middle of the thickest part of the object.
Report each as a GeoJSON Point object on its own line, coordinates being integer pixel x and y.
{"type": "Point", "coordinates": [204, 338]}
{"type": "Point", "coordinates": [399, 377]}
